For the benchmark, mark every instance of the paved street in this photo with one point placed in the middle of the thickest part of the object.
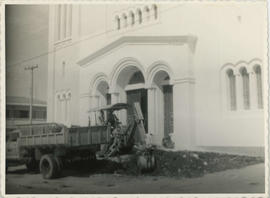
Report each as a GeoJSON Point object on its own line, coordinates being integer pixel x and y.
{"type": "Point", "coordinates": [246, 180]}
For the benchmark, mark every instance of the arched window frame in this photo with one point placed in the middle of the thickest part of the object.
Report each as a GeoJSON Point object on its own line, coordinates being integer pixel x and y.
{"type": "Point", "coordinates": [139, 13]}
{"type": "Point", "coordinates": [155, 10]}
{"type": "Point", "coordinates": [132, 18]}
{"type": "Point", "coordinates": [258, 75]}
{"type": "Point", "coordinates": [118, 22]}
{"type": "Point", "coordinates": [231, 83]}
{"type": "Point", "coordinates": [147, 13]}
{"type": "Point", "coordinates": [125, 22]}
{"type": "Point", "coordinates": [245, 87]}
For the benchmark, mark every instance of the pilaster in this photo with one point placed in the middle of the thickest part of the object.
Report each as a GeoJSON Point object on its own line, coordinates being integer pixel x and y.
{"type": "Point", "coordinates": [183, 117]}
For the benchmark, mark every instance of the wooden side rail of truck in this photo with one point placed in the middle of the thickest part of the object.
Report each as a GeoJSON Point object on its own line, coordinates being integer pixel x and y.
{"type": "Point", "coordinates": [49, 146]}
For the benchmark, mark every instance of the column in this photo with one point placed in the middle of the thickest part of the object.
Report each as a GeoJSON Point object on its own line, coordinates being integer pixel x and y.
{"type": "Point", "coordinates": [83, 106]}
{"type": "Point", "coordinates": [115, 97]}
{"type": "Point", "coordinates": [151, 104]}
{"type": "Point", "coordinates": [253, 90]}
{"type": "Point", "coordinates": [68, 113]}
{"type": "Point", "coordinates": [66, 106]}
{"type": "Point", "coordinates": [183, 115]}
{"type": "Point", "coordinates": [62, 117]}
{"type": "Point", "coordinates": [95, 103]}
{"type": "Point", "coordinates": [56, 108]}
{"type": "Point", "coordinates": [239, 92]}
{"type": "Point", "coordinates": [91, 106]}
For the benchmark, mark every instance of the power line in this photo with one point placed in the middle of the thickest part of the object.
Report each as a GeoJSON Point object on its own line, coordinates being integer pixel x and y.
{"type": "Point", "coordinates": [81, 40]}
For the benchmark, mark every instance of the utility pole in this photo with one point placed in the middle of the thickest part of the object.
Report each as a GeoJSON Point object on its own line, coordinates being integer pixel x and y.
{"type": "Point", "coordinates": [31, 68]}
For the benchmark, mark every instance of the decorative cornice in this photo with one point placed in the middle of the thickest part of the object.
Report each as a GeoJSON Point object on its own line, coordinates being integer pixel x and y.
{"type": "Point", "coordinates": [164, 40]}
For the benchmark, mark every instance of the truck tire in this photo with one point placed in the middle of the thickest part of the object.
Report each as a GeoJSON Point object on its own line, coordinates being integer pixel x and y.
{"type": "Point", "coordinates": [48, 166]}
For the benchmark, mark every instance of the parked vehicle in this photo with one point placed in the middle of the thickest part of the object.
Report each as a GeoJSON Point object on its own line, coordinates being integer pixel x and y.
{"type": "Point", "coordinates": [49, 147]}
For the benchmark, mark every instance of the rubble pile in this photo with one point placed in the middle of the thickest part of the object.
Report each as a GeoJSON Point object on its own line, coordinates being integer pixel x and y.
{"type": "Point", "coordinates": [191, 164]}
{"type": "Point", "coordinates": [174, 164]}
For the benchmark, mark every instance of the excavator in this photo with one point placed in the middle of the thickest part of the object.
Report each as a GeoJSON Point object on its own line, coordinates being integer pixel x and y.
{"type": "Point", "coordinates": [123, 137]}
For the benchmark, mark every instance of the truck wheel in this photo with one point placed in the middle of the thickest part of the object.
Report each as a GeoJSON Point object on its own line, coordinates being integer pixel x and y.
{"type": "Point", "coordinates": [59, 164]}
{"type": "Point", "coordinates": [48, 166]}
{"type": "Point", "coordinates": [32, 165]}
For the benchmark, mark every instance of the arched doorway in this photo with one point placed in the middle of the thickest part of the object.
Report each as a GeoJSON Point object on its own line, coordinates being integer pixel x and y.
{"type": "Point", "coordinates": [99, 97]}
{"type": "Point", "coordinates": [164, 94]}
{"type": "Point", "coordinates": [136, 92]}
{"type": "Point", "coordinates": [129, 87]}
{"type": "Point", "coordinates": [102, 92]}
{"type": "Point", "coordinates": [160, 101]}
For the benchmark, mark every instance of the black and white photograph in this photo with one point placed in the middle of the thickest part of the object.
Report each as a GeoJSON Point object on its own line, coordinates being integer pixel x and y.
{"type": "Point", "coordinates": [110, 98]}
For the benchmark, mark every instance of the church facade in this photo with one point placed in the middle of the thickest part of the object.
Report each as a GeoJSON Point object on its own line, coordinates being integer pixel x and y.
{"type": "Point", "coordinates": [197, 69]}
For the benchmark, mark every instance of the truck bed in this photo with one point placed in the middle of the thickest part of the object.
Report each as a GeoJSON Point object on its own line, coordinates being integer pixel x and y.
{"type": "Point", "coordinates": [75, 136]}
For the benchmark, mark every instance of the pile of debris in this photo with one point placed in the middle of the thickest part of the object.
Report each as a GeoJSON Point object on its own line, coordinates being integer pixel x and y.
{"type": "Point", "coordinates": [193, 164]}
{"type": "Point", "coordinates": [188, 164]}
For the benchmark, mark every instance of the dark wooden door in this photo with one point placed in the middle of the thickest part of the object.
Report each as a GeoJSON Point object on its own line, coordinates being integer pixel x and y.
{"type": "Point", "coordinates": [168, 109]}
{"type": "Point", "coordinates": [139, 95]}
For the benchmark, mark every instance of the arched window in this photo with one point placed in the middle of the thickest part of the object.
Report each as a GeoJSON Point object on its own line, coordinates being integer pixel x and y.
{"type": "Point", "coordinates": [139, 12]}
{"type": "Point", "coordinates": [117, 19]}
{"type": "Point", "coordinates": [245, 87]}
{"type": "Point", "coordinates": [258, 73]}
{"type": "Point", "coordinates": [147, 13]}
{"type": "Point", "coordinates": [132, 18]}
{"type": "Point", "coordinates": [125, 20]}
{"type": "Point", "coordinates": [232, 89]}
{"type": "Point", "coordinates": [154, 7]}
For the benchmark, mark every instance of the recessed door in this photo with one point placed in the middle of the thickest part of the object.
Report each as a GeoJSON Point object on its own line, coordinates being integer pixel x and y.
{"type": "Point", "coordinates": [138, 95]}
{"type": "Point", "coordinates": [168, 109]}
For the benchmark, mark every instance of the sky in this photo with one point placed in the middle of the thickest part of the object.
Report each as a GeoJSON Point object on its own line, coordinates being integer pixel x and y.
{"type": "Point", "coordinates": [26, 37]}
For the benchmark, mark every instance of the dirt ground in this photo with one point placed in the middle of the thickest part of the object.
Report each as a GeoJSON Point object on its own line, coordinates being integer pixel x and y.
{"type": "Point", "coordinates": [249, 179]}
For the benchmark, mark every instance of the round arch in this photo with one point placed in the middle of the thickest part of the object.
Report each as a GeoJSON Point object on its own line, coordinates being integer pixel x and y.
{"type": "Point", "coordinates": [155, 68]}
{"type": "Point", "coordinates": [119, 67]}
{"type": "Point", "coordinates": [127, 78]}
{"type": "Point", "coordinates": [159, 81]}
{"type": "Point", "coordinates": [100, 90]}
{"type": "Point", "coordinates": [96, 80]}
